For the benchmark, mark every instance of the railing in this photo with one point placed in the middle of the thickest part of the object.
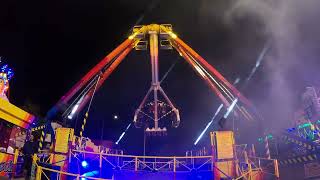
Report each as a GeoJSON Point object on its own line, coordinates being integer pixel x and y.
{"type": "Point", "coordinates": [247, 166]}
{"type": "Point", "coordinates": [251, 166]}
{"type": "Point", "coordinates": [43, 172]}
{"type": "Point", "coordinates": [266, 166]}
{"type": "Point", "coordinates": [119, 162]}
{"type": "Point", "coordinates": [146, 163]}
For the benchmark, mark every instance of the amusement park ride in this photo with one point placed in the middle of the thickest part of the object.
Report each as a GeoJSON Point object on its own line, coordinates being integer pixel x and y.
{"type": "Point", "coordinates": [75, 161]}
{"type": "Point", "coordinates": [149, 114]}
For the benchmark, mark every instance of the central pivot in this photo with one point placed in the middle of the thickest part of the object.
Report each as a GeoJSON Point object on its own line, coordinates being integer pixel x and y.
{"type": "Point", "coordinates": [152, 108]}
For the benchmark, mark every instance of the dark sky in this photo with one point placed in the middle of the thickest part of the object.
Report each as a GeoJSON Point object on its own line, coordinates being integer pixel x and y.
{"type": "Point", "coordinates": [52, 44]}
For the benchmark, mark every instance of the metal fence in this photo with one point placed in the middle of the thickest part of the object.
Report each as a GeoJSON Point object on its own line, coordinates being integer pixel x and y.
{"type": "Point", "coordinates": [247, 167]}
{"type": "Point", "coordinates": [47, 173]}
{"type": "Point", "coordinates": [146, 163]}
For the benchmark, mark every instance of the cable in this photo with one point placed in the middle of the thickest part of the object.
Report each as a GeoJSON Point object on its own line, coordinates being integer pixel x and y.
{"type": "Point", "coordinates": [169, 70]}
{"type": "Point", "coordinates": [221, 86]}
{"type": "Point", "coordinates": [86, 89]}
{"type": "Point", "coordinates": [162, 79]}
{"type": "Point", "coordinates": [82, 93]}
{"type": "Point", "coordinates": [87, 112]}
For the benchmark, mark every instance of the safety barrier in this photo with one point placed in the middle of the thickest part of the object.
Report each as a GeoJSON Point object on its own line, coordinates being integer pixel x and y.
{"type": "Point", "coordinates": [252, 166]}
{"type": "Point", "coordinates": [247, 166]}
{"type": "Point", "coordinates": [43, 172]}
{"type": "Point", "coordinates": [119, 162]}
{"type": "Point", "coordinates": [299, 160]}
{"type": "Point", "coordinates": [265, 166]}
{"type": "Point", "coordinates": [146, 163]}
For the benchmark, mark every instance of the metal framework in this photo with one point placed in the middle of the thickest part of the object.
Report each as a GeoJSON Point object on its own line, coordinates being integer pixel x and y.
{"type": "Point", "coordinates": [79, 95]}
{"type": "Point", "coordinates": [146, 163]}
{"type": "Point", "coordinates": [153, 31]}
{"type": "Point", "coordinates": [246, 166]}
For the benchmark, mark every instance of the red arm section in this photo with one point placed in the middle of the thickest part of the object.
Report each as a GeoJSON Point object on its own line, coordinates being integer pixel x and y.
{"type": "Point", "coordinates": [106, 74]}
{"type": "Point", "coordinates": [194, 54]}
{"type": "Point", "coordinates": [95, 71]}
{"type": "Point", "coordinates": [203, 76]}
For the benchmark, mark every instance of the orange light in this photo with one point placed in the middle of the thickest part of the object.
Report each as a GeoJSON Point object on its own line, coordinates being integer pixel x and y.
{"type": "Point", "coordinates": [174, 36]}
{"type": "Point", "coordinates": [133, 35]}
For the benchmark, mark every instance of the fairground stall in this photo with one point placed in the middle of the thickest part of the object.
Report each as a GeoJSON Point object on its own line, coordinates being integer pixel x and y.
{"type": "Point", "coordinates": [14, 123]}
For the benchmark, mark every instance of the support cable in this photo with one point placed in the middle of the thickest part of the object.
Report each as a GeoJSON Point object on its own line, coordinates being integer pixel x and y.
{"type": "Point", "coordinates": [201, 73]}
{"type": "Point", "coordinates": [82, 93]}
{"type": "Point", "coordinates": [220, 85]}
{"type": "Point", "coordinates": [87, 112]}
{"type": "Point", "coordinates": [87, 88]}
{"type": "Point", "coordinates": [169, 70]}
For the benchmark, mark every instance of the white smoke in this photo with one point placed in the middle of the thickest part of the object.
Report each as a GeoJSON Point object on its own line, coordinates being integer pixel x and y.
{"type": "Point", "coordinates": [286, 23]}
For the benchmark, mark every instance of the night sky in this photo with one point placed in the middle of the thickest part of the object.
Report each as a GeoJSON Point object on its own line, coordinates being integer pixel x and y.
{"type": "Point", "coordinates": [52, 44]}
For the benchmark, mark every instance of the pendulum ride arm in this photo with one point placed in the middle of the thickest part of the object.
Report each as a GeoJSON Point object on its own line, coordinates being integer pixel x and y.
{"type": "Point", "coordinates": [105, 75]}
{"type": "Point", "coordinates": [154, 34]}
{"type": "Point", "coordinates": [128, 43]}
{"type": "Point", "coordinates": [196, 56]}
{"type": "Point", "coordinates": [179, 43]}
{"type": "Point", "coordinates": [95, 71]}
{"type": "Point", "coordinates": [154, 52]}
{"type": "Point", "coordinates": [120, 55]}
{"type": "Point", "coordinates": [202, 74]}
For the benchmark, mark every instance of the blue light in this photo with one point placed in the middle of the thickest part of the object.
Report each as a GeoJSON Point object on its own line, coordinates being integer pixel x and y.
{"type": "Point", "coordinates": [291, 129]}
{"type": "Point", "coordinates": [5, 69]}
{"type": "Point", "coordinates": [84, 164]}
{"type": "Point", "coordinates": [89, 174]}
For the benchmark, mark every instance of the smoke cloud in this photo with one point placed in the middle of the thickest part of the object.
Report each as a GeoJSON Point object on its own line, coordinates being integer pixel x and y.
{"type": "Point", "coordinates": [292, 62]}
{"type": "Point", "coordinates": [288, 67]}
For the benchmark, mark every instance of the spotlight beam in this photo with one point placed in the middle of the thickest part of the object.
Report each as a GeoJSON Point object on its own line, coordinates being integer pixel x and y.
{"type": "Point", "coordinates": [123, 133]}
{"type": "Point", "coordinates": [216, 113]}
{"type": "Point", "coordinates": [230, 109]}
{"type": "Point", "coordinates": [208, 125]}
{"type": "Point", "coordinates": [259, 60]}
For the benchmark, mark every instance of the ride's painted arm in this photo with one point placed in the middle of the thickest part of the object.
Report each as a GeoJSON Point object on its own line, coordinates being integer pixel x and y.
{"type": "Point", "coordinates": [95, 70]}
{"type": "Point", "coordinates": [202, 74]}
{"type": "Point", "coordinates": [215, 72]}
{"type": "Point", "coordinates": [179, 43]}
{"type": "Point", "coordinates": [105, 75]}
